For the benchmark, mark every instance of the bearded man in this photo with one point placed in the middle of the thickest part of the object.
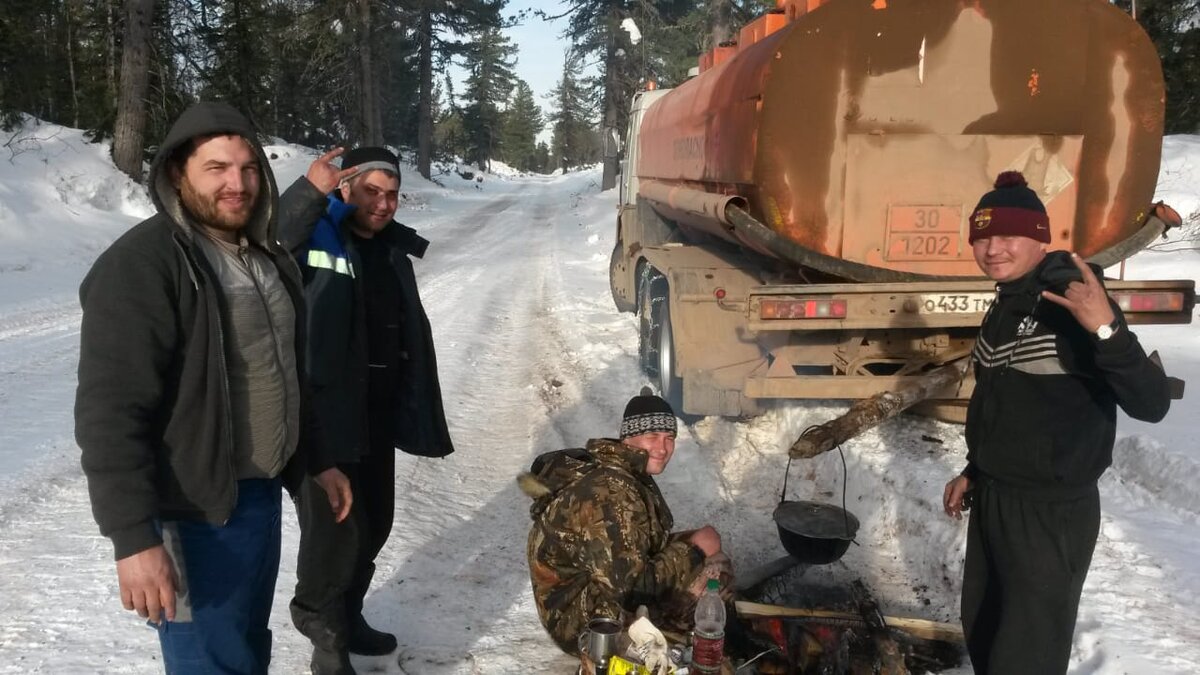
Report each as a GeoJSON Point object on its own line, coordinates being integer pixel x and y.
{"type": "Point", "coordinates": [188, 411]}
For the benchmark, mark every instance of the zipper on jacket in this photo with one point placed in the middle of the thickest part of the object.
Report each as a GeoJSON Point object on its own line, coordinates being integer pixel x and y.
{"type": "Point", "coordinates": [1002, 369]}
{"type": "Point", "coordinates": [266, 303]}
{"type": "Point", "coordinates": [189, 261]}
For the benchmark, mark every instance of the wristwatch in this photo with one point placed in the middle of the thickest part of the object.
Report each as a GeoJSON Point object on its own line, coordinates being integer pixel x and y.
{"type": "Point", "coordinates": [1106, 331]}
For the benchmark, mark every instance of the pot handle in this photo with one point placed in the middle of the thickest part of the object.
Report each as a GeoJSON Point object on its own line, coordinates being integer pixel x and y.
{"type": "Point", "coordinates": [783, 493]}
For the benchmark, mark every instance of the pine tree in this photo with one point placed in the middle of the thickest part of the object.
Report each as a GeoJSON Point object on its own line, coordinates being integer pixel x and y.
{"type": "Point", "coordinates": [450, 137]}
{"type": "Point", "coordinates": [58, 61]}
{"type": "Point", "coordinates": [449, 140]}
{"type": "Point", "coordinates": [522, 124]}
{"type": "Point", "coordinates": [293, 66]}
{"type": "Point", "coordinates": [433, 20]}
{"type": "Point", "coordinates": [489, 82]}
{"type": "Point", "coordinates": [399, 82]}
{"type": "Point", "coordinates": [680, 30]}
{"type": "Point", "coordinates": [135, 72]}
{"type": "Point", "coordinates": [574, 142]}
{"type": "Point", "coordinates": [1172, 26]}
{"type": "Point", "coordinates": [234, 55]}
{"type": "Point", "coordinates": [595, 31]}
{"type": "Point", "coordinates": [541, 158]}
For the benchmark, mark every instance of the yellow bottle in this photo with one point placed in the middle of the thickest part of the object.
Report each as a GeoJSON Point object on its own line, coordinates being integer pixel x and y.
{"type": "Point", "coordinates": [620, 666]}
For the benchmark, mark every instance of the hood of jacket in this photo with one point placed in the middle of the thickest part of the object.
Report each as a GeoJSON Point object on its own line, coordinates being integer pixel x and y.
{"type": "Point", "coordinates": [553, 472]}
{"type": "Point", "coordinates": [210, 118]}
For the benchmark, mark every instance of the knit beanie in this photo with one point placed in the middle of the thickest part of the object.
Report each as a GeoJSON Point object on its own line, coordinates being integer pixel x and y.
{"type": "Point", "coordinates": [370, 159]}
{"type": "Point", "coordinates": [1012, 209]}
{"type": "Point", "coordinates": [647, 413]}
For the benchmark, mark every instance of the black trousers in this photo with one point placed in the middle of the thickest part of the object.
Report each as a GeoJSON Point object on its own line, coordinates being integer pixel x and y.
{"type": "Point", "coordinates": [337, 560]}
{"type": "Point", "coordinates": [1026, 562]}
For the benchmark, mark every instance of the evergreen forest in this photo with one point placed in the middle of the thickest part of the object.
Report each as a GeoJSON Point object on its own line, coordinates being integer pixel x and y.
{"type": "Point", "coordinates": [434, 78]}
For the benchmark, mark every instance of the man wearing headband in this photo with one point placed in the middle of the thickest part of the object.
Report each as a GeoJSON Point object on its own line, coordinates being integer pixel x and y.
{"type": "Point", "coordinates": [373, 377]}
{"type": "Point", "coordinates": [1053, 360]}
{"type": "Point", "coordinates": [601, 542]}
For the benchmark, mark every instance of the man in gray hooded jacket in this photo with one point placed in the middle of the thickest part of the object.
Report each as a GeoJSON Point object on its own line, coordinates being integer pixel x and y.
{"type": "Point", "coordinates": [188, 411]}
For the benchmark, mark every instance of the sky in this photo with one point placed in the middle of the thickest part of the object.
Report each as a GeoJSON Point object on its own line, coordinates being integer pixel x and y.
{"type": "Point", "coordinates": [541, 51]}
{"type": "Point", "coordinates": [541, 47]}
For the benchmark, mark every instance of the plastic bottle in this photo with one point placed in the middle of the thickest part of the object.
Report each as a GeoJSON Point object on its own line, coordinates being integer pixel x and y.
{"type": "Point", "coordinates": [708, 636]}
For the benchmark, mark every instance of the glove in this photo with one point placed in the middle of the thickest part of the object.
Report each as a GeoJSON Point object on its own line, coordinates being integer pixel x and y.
{"type": "Point", "coordinates": [650, 645]}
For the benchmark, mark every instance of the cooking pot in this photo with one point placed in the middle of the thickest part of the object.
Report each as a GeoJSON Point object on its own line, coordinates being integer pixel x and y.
{"type": "Point", "coordinates": [811, 532]}
{"type": "Point", "coordinates": [814, 533]}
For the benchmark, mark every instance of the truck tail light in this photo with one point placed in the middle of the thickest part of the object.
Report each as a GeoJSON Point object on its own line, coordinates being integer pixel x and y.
{"type": "Point", "coordinates": [802, 308]}
{"type": "Point", "coordinates": [1149, 301]}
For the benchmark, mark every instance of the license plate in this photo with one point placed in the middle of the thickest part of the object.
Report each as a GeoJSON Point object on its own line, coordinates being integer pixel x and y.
{"type": "Point", "coordinates": [954, 303]}
{"type": "Point", "coordinates": [923, 233]}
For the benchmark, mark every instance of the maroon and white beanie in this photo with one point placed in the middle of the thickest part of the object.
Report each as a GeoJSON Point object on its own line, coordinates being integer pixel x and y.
{"type": "Point", "coordinates": [1012, 209]}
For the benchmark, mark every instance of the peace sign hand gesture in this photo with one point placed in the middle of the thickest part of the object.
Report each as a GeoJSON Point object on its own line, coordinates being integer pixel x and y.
{"type": "Point", "coordinates": [1086, 300]}
{"type": "Point", "coordinates": [324, 175]}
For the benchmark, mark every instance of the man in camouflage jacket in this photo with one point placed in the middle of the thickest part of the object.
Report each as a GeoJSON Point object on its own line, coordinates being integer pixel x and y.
{"type": "Point", "coordinates": [601, 542]}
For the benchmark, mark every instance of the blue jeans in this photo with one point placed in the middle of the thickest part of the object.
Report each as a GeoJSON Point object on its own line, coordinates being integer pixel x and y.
{"type": "Point", "coordinates": [227, 585]}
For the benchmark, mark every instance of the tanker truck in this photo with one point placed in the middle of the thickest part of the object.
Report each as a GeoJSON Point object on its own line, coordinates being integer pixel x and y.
{"type": "Point", "coordinates": [793, 220]}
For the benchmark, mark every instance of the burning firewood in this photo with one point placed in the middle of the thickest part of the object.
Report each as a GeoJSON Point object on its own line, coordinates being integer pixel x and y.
{"type": "Point", "coordinates": [918, 628]}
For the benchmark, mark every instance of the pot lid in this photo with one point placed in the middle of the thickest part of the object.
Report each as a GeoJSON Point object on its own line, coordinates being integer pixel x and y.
{"type": "Point", "coordinates": [816, 520]}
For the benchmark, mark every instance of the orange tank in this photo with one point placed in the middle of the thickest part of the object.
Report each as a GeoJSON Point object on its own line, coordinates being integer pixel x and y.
{"type": "Point", "coordinates": [867, 131]}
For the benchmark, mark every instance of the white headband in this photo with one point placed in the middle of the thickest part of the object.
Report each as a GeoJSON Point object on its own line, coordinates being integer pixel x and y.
{"type": "Point", "coordinates": [377, 165]}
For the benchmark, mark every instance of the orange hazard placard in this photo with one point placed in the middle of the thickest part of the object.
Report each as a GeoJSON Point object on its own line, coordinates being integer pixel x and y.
{"type": "Point", "coordinates": [924, 232]}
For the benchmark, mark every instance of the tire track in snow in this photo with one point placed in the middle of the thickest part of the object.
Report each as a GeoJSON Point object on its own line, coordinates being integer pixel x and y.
{"type": "Point", "coordinates": [453, 269]}
{"type": "Point", "coordinates": [485, 285]}
{"type": "Point", "coordinates": [39, 351]}
{"type": "Point", "coordinates": [46, 530]}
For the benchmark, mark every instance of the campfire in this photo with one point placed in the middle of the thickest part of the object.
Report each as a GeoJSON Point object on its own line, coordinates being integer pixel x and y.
{"type": "Point", "coordinates": [799, 626]}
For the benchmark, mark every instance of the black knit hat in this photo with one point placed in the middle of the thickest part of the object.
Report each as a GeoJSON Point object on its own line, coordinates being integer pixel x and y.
{"type": "Point", "coordinates": [1012, 209]}
{"type": "Point", "coordinates": [647, 413]}
{"type": "Point", "coordinates": [369, 159]}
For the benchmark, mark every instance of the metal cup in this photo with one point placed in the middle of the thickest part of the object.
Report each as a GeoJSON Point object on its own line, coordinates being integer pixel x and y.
{"type": "Point", "coordinates": [601, 641]}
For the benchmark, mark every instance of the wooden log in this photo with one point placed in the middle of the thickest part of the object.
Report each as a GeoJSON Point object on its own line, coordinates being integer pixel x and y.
{"type": "Point", "coordinates": [889, 655]}
{"type": "Point", "coordinates": [920, 628]}
{"type": "Point", "coordinates": [871, 411]}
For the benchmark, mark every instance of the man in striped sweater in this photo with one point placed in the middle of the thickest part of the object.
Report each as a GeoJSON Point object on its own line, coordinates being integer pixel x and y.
{"type": "Point", "coordinates": [1053, 360]}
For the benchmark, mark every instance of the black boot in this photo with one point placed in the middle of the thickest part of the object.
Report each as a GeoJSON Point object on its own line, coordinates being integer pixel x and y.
{"type": "Point", "coordinates": [364, 639]}
{"type": "Point", "coordinates": [368, 641]}
{"type": "Point", "coordinates": [331, 662]}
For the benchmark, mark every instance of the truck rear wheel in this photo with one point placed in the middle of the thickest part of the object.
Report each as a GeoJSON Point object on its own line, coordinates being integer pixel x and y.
{"type": "Point", "coordinates": [648, 277]}
{"type": "Point", "coordinates": [656, 340]}
{"type": "Point", "coordinates": [670, 386]}
{"type": "Point", "coordinates": [614, 269]}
